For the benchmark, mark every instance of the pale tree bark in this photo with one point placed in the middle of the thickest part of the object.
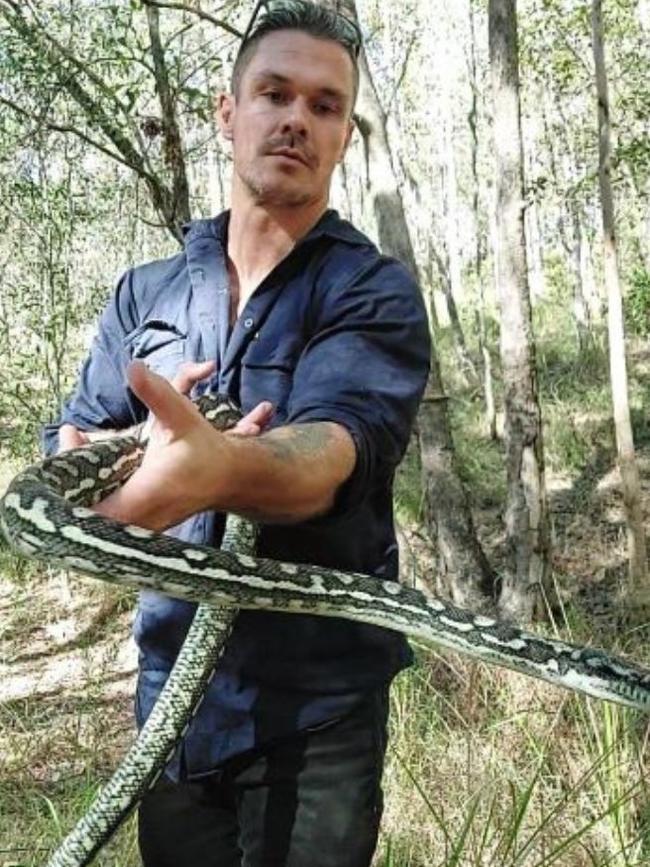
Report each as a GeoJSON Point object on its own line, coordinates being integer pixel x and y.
{"type": "Point", "coordinates": [172, 141]}
{"type": "Point", "coordinates": [617, 364]}
{"type": "Point", "coordinates": [527, 533]}
{"type": "Point", "coordinates": [479, 230]}
{"type": "Point", "coordinates": [466, 574]}
{"type": "Point", "coordinates": [443, 266]}
{"type": "Point", "coordinates": [534, 255]}
{"type": "Point", "coordinates": [580, 309]}
{"type": "Point", "coordinates": [533, 231]}
{"type": "Point", "coordinates": [587, 294]}
{"type": "Point", "coordinates": [450, 199]}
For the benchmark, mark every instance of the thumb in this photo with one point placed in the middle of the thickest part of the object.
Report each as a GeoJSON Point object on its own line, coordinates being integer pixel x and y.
{"type": "Point", "coordinates": [70, 438]}
{"type": "Point", "coordinates": [172, 410]}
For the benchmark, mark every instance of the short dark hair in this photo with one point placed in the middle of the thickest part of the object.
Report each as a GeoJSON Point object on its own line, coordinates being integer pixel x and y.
{"type": "Point", "coordinates": [317, 21]}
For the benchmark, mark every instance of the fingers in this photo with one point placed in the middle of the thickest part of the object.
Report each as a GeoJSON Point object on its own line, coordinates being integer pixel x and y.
{"type": "Point", "coordinates": [255, 421]}
{"type": "Point", "coordinates": [172, 410]}
{"type": "Point", "coordinates": [175, 412]}
{"type": "Point", "coordinates": [189, 373]}
{"type": "Point", "coordinates": [70, 438]}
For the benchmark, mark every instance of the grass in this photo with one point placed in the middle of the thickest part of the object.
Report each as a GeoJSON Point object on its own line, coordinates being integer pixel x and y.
{"type": "Point", "coordinates": [37, 818]}
{"type": "Point", "coordinates": [485, 768]}
{"type": "Point", "coordinates": [507, 773]}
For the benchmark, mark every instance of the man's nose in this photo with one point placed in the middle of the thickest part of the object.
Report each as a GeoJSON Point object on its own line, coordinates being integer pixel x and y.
{"type": "Point", "coordinates": [296, 119]}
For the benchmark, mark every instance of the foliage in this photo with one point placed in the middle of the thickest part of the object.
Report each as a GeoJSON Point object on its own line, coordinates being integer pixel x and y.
{"type": "Point", "coordinates": [637, 303]}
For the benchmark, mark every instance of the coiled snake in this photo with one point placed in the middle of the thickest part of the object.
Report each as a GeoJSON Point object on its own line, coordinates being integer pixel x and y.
{"type": "Point", "coordinates": [44, 514]}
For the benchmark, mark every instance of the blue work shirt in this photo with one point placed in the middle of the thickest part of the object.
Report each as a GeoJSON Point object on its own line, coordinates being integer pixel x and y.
{"type": "Point", "coordinates": [336, 332]}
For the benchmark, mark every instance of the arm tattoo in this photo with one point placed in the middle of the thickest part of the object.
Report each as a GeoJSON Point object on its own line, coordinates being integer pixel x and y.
{"type": "Point", "coordinates": [314, 455]}
{"type": "Point", "coordinates": [298, 441]}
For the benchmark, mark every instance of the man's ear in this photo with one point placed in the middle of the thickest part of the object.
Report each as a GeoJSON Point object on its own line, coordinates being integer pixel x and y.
{"type": "Point", "coordinates": [348, 137]}
{"type": "Point", "coordinates": [224, 109]}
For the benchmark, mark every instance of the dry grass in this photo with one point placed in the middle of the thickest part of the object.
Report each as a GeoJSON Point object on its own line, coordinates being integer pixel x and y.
{"type": "Point", "coordinates": [67, 673]}
{"type": "Point", "coordinates": [489, 769]}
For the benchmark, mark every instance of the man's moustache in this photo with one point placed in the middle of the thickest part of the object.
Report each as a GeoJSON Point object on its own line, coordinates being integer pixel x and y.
{"type": "Point", "coordinates": [279, 144]}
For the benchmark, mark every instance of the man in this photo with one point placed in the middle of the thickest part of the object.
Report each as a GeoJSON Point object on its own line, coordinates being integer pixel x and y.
{"type": "Point", "coordinates": [294, 314]}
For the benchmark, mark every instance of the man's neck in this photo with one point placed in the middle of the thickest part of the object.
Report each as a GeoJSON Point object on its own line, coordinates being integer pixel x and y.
{"type": "Point", "coordinates": [261, 237]}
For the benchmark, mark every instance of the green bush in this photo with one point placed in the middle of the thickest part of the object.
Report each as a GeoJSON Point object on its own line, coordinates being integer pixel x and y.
{"type": "Point", "coordinates": [637, 303]}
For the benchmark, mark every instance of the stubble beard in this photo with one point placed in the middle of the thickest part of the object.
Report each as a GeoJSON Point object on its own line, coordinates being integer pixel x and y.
{"type": "Point", "coordinates": [266, 192]}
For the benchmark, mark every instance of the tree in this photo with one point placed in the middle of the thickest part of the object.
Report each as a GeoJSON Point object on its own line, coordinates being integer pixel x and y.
{"type": "Point", "coordinates": [479, 231]}
{"type": "Point", "coordinates": [106, 101]}
{"type": "Point", "coordinates": [617, 364]}
{"type": "Point", "coordinates": [526, 513]}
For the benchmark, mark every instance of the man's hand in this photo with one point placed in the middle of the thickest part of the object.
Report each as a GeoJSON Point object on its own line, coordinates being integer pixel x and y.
{"type": "Point", "coordinates": [288, 474]}
{"type": "Point", "coordinates": [178, 473]}
{"type": "Point", "coordinates": [188, 375]}
{"type": "Point", "coordinates": [71, 437]}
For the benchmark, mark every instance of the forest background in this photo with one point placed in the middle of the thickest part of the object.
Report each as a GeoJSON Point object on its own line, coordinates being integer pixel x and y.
{"type": "Point", "coordinates": [108, 144]}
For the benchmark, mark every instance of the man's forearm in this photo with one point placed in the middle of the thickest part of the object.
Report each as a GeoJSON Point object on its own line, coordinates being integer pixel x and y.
{"type": "Point", "coordinates": [283, 476]}
{"type": "Point", "coordinates": [288, 474]}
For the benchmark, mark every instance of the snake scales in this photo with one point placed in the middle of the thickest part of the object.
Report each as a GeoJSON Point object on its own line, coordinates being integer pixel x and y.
{"type": "Point", "coordinates": [44, 514]}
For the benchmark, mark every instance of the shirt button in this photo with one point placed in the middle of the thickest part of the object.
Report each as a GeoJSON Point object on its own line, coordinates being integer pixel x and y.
{"type": "Point", "coordinates": [248, 323]}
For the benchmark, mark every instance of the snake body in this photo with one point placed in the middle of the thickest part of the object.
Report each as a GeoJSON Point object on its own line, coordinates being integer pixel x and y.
{"type": "Point", "coordinates": [44, 514]}
{"type": "Point", "coordinates": [178, 700]}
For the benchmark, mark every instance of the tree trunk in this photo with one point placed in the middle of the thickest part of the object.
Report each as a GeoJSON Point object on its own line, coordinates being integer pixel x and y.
{"type": "Point", "coordinates": [464, 572]}
{"type": "Point", "coordinates": [580, 309]}
{"type": "Point", "coordinates": [617, 364]}
{"type": "Point", "coordinates": [484, 349]}
{"type": "Point", "coordinates": [450, 199]}
{"type": "Point", "coordinates": [465, 360]}
{"type": "Point", "coordinates": [462, 561]}
{"type": "Point", "coordinates": [179, 204]}
{"type": "Point", "coordinates": [526, 513]}
{"type": "Point", "coordinates": [569, 222]}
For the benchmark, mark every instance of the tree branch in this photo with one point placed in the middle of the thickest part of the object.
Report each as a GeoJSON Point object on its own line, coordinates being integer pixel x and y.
{"type": "Point", "coordinates": [65, 128]}
{"type": "Point", "coordinates": [162, 4]}
{"type": "Point", "coordinates": [99, 83]}
{"type": "Point", "coordinates": [172, 142]}
{"type": "Point", "coordinates": [59, 52]}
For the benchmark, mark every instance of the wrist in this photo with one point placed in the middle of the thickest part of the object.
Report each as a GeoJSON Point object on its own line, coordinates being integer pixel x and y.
{"type": "Point", "coordinates": [231, 480]}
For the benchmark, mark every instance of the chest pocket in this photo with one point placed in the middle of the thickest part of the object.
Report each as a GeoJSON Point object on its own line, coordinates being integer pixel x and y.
{"type": "Point", "coordinates": [160, 344]}
{"type": "Point", "coordinates": [267, 370]}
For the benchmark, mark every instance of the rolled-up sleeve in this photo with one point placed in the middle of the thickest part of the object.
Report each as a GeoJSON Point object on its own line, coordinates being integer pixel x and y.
{"type": "Point", "coordinates": [366, 368]}
{"type": "Point", "coordinates": [101, 398]}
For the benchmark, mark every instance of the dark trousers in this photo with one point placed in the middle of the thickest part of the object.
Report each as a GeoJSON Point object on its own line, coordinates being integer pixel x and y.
{"type": "Point", "coordinates": [311, 800]}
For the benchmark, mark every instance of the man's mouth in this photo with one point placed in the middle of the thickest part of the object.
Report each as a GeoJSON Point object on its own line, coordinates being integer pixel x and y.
{"type": "Point", "coordinates": [291, 153]}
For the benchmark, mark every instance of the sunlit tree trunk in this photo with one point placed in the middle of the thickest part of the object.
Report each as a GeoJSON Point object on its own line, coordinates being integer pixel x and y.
{"type": "Point", "coordinates": [443, 266]}
{"type": "Point", "coordinates": [565, 169]}
{"type": "Point", "coordinates": [450, 200]}
{"type": "Point", "coordinates": [580, 309]}
{"type": "Point", "coordinates": [479, 253]}
{"type": "Point", "coordinates": [526, 513]}
{"type": "Point", "coordinates": [617, 365]}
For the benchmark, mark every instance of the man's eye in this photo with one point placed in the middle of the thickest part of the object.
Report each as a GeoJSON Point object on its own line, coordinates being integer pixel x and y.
{"type": "Point", "coordinates": [325, 108]}
{"type": "Point", "coordinates": [275, 96]}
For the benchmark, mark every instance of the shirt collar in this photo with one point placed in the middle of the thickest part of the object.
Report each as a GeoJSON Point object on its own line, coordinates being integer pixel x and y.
{"type": "Point", "coordinates": [330, 225]}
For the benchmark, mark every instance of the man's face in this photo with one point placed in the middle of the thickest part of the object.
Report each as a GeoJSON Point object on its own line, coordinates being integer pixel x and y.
{"type": "Point", "coordinates": [290, 123]}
